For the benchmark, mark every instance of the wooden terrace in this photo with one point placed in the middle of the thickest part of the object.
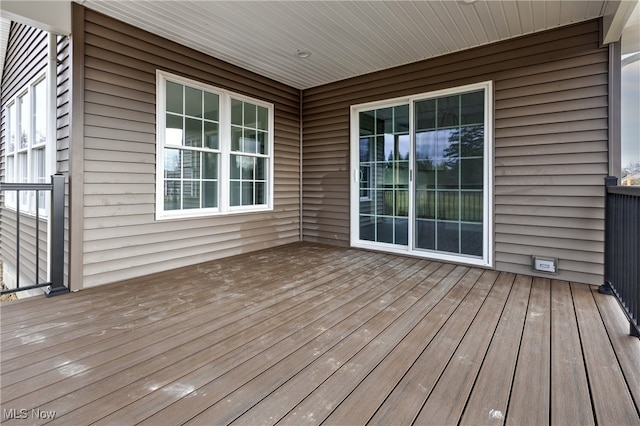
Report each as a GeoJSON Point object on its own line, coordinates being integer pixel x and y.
{"type": "Point", "coordinates": [310, 334]}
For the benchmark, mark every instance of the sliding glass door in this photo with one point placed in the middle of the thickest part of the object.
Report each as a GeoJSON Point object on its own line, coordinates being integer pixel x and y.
{"type": "Point", "coordinates": [384, 146]}
{"type": "Point", "coordinates": [422, 175]}
{"type": "Point", "coordinates": [449, 157]}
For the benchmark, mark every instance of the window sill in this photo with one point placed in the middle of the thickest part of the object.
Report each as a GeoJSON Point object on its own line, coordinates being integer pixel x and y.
{"type": "Point", "coordinates": [164, 216]}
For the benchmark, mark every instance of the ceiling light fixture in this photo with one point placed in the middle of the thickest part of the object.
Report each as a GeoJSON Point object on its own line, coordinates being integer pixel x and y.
{"type": "Point", "coordinates": [303, 54]}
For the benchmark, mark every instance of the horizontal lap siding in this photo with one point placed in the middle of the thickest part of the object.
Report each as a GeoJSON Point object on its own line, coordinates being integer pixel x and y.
{"type": "Point", "coordinates": [63, 132]}
{"type": "Point", "coordinates": [28, 233]}
{"type": "Point", "coordinates": [26, 58]}
{"type": "Point", "coordinates": [63, 104]}
{"type": "Point", "coordinates": [122, 239]}
{"type": "Point", "coordinates": [552, 167]}
{"type": "Point", "coordinates": [550, 144]}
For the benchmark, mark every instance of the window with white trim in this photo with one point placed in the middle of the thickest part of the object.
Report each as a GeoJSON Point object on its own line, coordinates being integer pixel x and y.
{"type": "Point", "coordinates": [26, 144]}
{"type": "Point", "coordinates": [422, 175]}
{"type": "Point", "coordinates": [214, 150]}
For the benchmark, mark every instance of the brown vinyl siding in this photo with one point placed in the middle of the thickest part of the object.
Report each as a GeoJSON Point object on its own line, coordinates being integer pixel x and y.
{"type": "Point", "coordinates": [63, 131]}
{"type": "Point", "coordinates": [121, 238]}
{"type": "Point", "coordinates": [63, 104]}
{"type": "Point", "coordinates": [26, 59]}
{"type": "Point", "coordinates": [550, 144]}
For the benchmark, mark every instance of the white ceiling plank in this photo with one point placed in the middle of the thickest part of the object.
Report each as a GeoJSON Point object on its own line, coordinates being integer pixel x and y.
{"type": "Point", "coordinates": [487, 20]}
{"type": "Point", "coordinates": [428, 24]}
{"type": "Point", "coordinates": [447, 26]}
{"type": "Point", "coordinates": [367, 37]}
{"type": "Point", "coordinates": [513, 17]}
{"type": "Point", "coordinates": [418, 39]}
{"type": "Point", "coordinates": [538, 16]}
{"type": "Point", "coordinates": [459, 20]}
{"type": "Point", "coordinates": [480, 29]}
{"type": "Point", "coordinates": [345, 38]}
{"type": "Point", "coordinates": [500, 19]}
{"type": "Point", "coordinates": [568, 11]}
{"type": "Point", "coordinates": [396, 19]}
{"type": "Point", "coordinates": [525, 11]}
{"type": "Point", "coordinates": [552, 9]}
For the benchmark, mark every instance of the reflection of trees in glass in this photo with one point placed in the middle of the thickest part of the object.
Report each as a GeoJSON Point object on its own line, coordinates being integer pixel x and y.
{"type": "Point", "coordinates": [393, 156]}
{"type": "Point", "coordinates": [471, 142]}
{"type": "Point", "coordinates": [453, 169]}
{"type": "Point", "coordinates": [364, 149]}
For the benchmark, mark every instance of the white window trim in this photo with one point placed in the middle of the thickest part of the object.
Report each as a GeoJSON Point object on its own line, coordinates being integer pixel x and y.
{"type": "Point", "coordinates": [487, 259]}
{"type": "Point", "coordinates": [224, 207]}
{"type": "Point", "coordinates": [12, 202]}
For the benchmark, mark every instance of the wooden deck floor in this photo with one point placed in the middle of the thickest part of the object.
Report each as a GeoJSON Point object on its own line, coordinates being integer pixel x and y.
{"type": "Point", "coordinates": [307, 334]}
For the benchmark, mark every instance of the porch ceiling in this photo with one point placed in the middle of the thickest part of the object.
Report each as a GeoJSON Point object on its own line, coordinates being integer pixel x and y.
{"type": "Point", "coordinates": [345, 38]}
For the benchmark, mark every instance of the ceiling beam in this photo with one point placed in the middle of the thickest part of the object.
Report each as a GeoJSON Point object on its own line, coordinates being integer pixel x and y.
{"type": "Point", "coordinates": [53, 15]}
{"type": "Point", "coordinates": [616, 16]}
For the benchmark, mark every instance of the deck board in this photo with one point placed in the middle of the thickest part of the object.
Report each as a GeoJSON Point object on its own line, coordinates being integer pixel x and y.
{"type": "Point", "coordinates": [571, 405]}
{"type": "Point", "coordinates": [627, 352]}
{"type": "Point", "coordinates": [489, 399]}
{"type": "Point", "coordinates": [291, 355]}
{"type": "Point", "coordinates": [530, 393]}
{"type": "Point", "coordinates": [309, 367]}
{"type": "Point", "coordinates": [284, 399]}
{"type": "Point", "coordinates": [446, 402]}
{"type": "Point", "coordinates": [361, 404]}
{"type": "Point", "coordinates": [309, 334]}
{"type": "Point", "coordinates": [132, 347]}
{"type": "Point", "coordinates": [605, 374]}
{"type": "Point", "coordinates": [228, 344]}
{"type": "Point", "coordinates": [459, 308]}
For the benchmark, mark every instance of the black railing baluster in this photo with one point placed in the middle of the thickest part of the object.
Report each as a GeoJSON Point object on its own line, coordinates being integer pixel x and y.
{"type": "Point", "coordinates": [56, 256]}
{"type": "Point", "coordinates": [37, 237]}
{"type": "Point", "coordinates": [622, 249]}
{"type": "Point", "coordinates": [55, 285]}
{"type": "Point", "coordinates": [18, 238]}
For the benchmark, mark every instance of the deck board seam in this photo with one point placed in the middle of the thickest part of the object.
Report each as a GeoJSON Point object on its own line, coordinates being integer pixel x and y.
{"type": "Point", "coordinates": [390, 258]}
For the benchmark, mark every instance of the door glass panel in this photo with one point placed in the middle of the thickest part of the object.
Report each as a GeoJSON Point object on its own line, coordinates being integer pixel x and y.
{"type": "Point", "coordinates": [471, 141]}
{"type": "Point", "coordinates": [471, 239]}
{"type": "Point", "coordinates": [449, 170]}
{"type": "Point", "coordinates": [443, 209]}
{"type": "Point", "coordinates": [401, 235]}
{"type": "Point", "coordinates": [448, 205]}
{"type": "Point", "coordinates": [426, 234]}
{"type": "Point", "coordinates": [384, 152]}
{"type": "Point", "coordinates": [448, 236]}
{"type": "Point", "coordinates": [447, 144]}
{"type": "Point", "coordinates": [472, 108]}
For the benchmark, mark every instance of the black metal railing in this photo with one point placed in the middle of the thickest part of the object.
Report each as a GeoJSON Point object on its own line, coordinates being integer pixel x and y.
{"type": "Point", "coordinates": [55, 283]}
{"type": "Point", "coordinates": [622, 248]}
